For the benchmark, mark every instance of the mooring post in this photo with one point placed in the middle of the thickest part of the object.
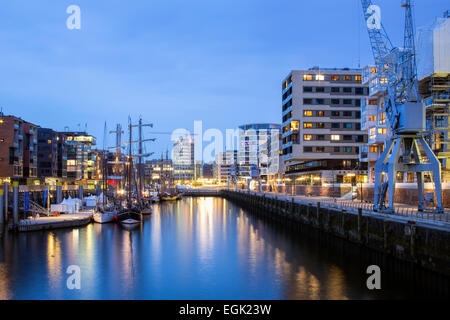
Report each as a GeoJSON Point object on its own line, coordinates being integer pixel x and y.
{"type": "Point", "coordinates": [16, 202]}
{"type": "Point", "coordinates": [318, 214]}
{"type": "Point", "coordinates": [2, 216]}
{"type": "Point", "coordinates": [80, 192]}
{"type": "Point", "coordinates": [58, 193]}
{"type": "Point", "coordinates": [359, 223]}
{"type": "Point", "coordinates": [5, 202]}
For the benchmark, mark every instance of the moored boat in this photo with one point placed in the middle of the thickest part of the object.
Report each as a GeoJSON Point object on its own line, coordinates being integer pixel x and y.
{"type": "Point", "coordinates": [105, 217]}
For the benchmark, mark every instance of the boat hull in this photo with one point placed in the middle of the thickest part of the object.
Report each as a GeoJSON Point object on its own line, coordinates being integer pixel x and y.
{"type": "Point", "coordinates": [105, 217]}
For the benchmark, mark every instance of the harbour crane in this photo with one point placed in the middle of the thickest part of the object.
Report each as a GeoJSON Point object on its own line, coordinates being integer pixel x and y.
{"type": "Point", "coordinates": [405, 112]}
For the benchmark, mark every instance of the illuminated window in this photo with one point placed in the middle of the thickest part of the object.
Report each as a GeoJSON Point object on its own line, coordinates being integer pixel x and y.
{"type": "Point", "coordinates": [373, 149]}
{"type": "Point", "coordinates": [382, 118]}
{"type": "Point", "coordinates": [320, 125]}
{"type": "Point", "coordinates": [295, 125]}
{"type": "Point", "coordinates": [358, 78]}
{"type": "Point", "coordinates": [71, 162]}
{"type": "Point", "coordinates": [307, 113]}
{"type": "Point", "coordinates": [2, 121]}
{"type": "Point", "coordinates": [383, 80]}
{"type": "Point", "coordinates": [347, 78]}
{"type": "Point", "coordinates": [307, 125]}
{"type": "Point", "coordinates": [320, 113]}
{"type": "Point", "coordinates": [373, 118]}
{"type": "Point", "coordinates": [373, 70]}
{"type": "Point", "coordinates": [307, 77]}
{"type": "Point", "coordinates": [49, 141]}
{"type": "Point", "coordinates": [335, 78]}
{"type": "Point", "coordinates": [320, 77]}
{"type": "Point", "coordinates": [307, 137]}
{"type": "Point", "coordinates": [372, 133]}
{"type": "Point", "coordinates": [381, 130]}
{"type": "Point", "coordinates": [335, 137]}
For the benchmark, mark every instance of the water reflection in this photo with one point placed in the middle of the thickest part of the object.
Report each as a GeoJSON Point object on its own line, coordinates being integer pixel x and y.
{"type": "Point", "coordinates": [197, 248]}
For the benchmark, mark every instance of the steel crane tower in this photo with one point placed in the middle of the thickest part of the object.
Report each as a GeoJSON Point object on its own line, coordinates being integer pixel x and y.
{"type": "Point", "coordinates": [405, 112]}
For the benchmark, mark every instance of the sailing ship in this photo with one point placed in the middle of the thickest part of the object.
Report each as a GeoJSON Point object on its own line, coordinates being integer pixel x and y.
{"type": "Point", "coordinates": [105, 213]}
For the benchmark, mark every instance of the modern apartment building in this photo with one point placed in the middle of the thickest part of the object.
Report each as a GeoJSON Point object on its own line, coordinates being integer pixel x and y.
{"type": "Point", "coordinates": [224, 162]}
{"type": "Point", "coordinates": [373, 121]}
{"type": "Point", "coordinates": [80, 164]}
{"type": "Point", "coordinates": [47, 153]}
{"type": "Point", "coordinates": [184, 166]}
{"type": "Point", "coordinates": [30, 151]}
{"type": "Point", "coordinates": [321, 126]}
{"type": "Point", "coordinates": [255, 140]}
{"type": "Point", "coordinates": [18, 148]}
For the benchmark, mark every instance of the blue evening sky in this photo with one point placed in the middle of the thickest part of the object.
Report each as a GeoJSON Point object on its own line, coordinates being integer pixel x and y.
{"type": "Point", "coordinates": [173, 62]}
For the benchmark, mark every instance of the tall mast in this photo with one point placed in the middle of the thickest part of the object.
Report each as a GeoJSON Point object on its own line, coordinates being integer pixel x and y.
{"type": "Point", "coordinates": [140, 160]}
{"type": "Point", "coordinates": [130, 160]}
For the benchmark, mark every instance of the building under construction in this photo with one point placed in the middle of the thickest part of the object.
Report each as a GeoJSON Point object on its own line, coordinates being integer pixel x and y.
{"type": "Point", "coordinates": [434, 86]}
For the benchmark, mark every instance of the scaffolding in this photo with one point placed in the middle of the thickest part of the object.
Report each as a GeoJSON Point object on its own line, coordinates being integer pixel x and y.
{"type": "Point", "coordinates": [435, 89]}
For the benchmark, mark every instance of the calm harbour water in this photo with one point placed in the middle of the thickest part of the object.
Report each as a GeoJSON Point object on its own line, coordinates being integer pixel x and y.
{"type": "Point", "coordinates": [197, 248]}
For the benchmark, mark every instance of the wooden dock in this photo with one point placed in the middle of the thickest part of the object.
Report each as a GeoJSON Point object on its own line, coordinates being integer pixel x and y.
{"type": "Point", "coordinates": [48, 223]}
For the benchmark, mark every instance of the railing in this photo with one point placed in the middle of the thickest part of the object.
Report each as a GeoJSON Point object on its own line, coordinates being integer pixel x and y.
{"type": "Point", "coordinates": [367, 208]}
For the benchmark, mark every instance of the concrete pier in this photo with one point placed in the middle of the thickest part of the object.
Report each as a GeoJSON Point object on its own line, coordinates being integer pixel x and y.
{"type": "Point", "coordinates": [49, 223]}
{"type": "Point", "coordinates": [426, 244]}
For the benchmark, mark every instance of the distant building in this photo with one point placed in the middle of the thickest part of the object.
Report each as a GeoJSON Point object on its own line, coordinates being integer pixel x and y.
{"type": "Point", "coordinates": [18, 148]}
{"type": "Point", "coordinates": [208, 171]}
{"type": "Point", "coordinates": [158, 174]}
{"type": "Point", "coordinates": [184, 166]}
{"type": "Point", "coordinates": [322, 136]}
{"type": "Point", "coordinates": [253, 154]}
{"type": "Point", "coordinates": [224, 163]}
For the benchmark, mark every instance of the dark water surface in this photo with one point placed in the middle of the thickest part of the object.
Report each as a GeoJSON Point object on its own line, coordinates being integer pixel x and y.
{"type": "Point", "coordinates": [197, 248]}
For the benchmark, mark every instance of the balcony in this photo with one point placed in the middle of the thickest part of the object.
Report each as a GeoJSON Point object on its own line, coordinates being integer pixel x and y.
{"type": "Point", "coordinates": [287, 88]}
{"type": "Point", "coordinates": [377, 138]}
{"type": "Point", "coordinates": [366, 156]}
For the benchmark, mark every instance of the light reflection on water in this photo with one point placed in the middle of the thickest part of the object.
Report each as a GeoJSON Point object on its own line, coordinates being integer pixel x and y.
{"type": "Point", "coordinates": [200, 248]}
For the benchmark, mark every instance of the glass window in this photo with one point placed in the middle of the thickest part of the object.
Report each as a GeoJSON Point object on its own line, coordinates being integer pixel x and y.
{"type": "Point", "coordinates": [307, 77]}
{"type": "Point", "coordinates": [307, 137]}
{"type": "Point", "coordinates": [307, 125]}
{"type": "Point", "coordinates": [335, 137]}
{"type": "Point", "coordinates": [335, 78]}
{"type": "Point", "coordinates": [307, 113]}
{"type": "Point", "coordinates": [320, 77]}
